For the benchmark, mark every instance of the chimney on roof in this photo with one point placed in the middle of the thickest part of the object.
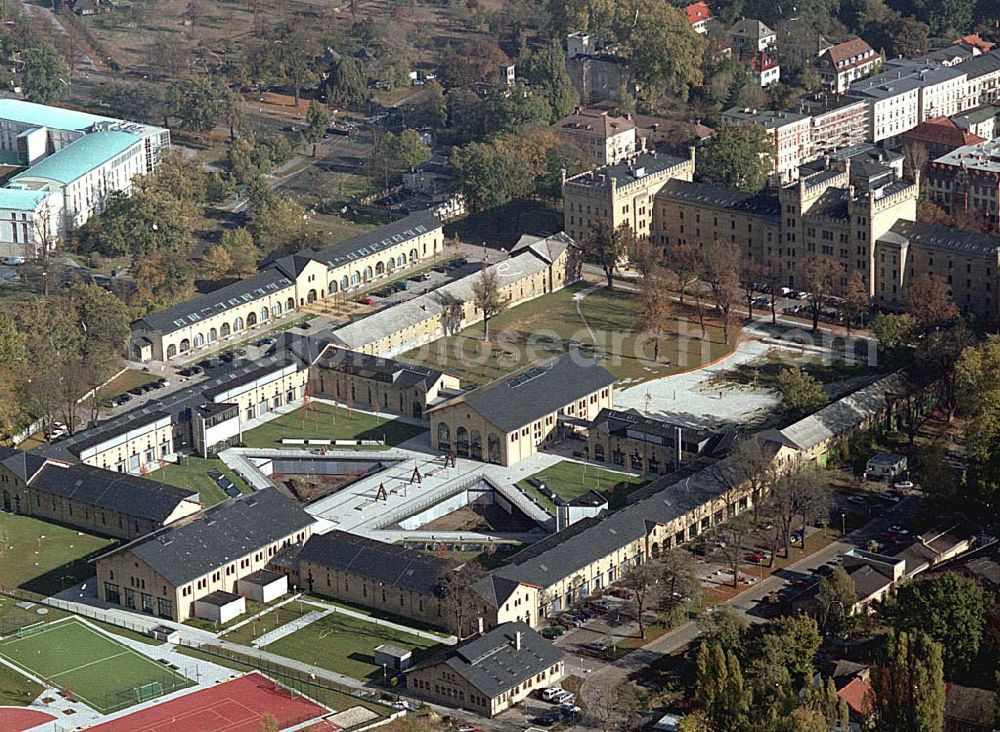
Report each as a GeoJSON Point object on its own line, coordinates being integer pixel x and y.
{"type": "Point", "coordinates": [517, 641]}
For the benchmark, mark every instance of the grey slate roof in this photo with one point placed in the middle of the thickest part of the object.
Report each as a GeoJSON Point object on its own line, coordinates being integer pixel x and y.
{"type": "Point", "coordinates": [493, 665]}
{"type": "Point", "coordinates": [518, 400]}
{"type": "Point", "coordinates": [378, 561]}
{"type": "Point", "coordinates": [707, 194]}
{"type": "Point", "coordinates": [628, 171]}
{"type": "Point", "coordinates": [936, 236]}
{"type": "Point", "coordinates": [190, 312]}
{"type": "Point", "coordinates": [195, 546]}
{"type": "Point", "coordinates": [987, 63]}
{"type": "Point", "coordinates": [384, 237]}
{"type": "Point", "coordinates": [23, 464]}
{"type": "Point", "coordinates": [376, 368]}
{"type": "Point", "coordinates": [128, 494]}
{"type": "Point", "coordinates": [751, 28]}
{"type": "Point", "coordinates": [495, 590]}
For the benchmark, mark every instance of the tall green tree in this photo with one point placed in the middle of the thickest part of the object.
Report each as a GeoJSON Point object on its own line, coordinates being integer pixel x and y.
{"type": "Point", "coordinates": [46, 75]}
{"type": "Point", "coordinates": [908, 685]}
{"type": "Point", "coordinates": [317, 120]}
{"type": "Point", "coordinates": [346, 85]}
{"type": "Point", "coordinates": [740, 156]}
{"type": "Point", "coordinates": [665, 51]}
{"type": "Point", "coordinates": [433, 109]}
{"type": "Point", "coordinates": [801, 392]}
{"type": "Point", "coordinates": [488, 297]}
{"type": "Point", "coordinates": [608, 247]}
{"type": "Point", "coordinates": [949, 608]}
{"type": "Point", "coordinates": [197, 104]}
{"type": "Point", "coordinates": [837, 596]}
{"type": "Point", "coordinates": [546, 69]}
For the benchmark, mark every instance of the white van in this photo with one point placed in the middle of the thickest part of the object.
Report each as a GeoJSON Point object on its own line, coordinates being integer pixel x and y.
{"type": "Point", "coordinates": [13, 261]}
{"type": "Point", "coordinates": [551, 693]}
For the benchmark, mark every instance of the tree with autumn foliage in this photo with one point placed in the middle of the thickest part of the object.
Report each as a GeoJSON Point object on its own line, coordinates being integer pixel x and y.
{"type": "Point", "coordinates": [722, 267]}
{"type": "Point", "coordinates": [655, 307]}
{"type": "Point", "coordinates": [928, 300]}
{"type": "Point", "coordinates": [856, 300]}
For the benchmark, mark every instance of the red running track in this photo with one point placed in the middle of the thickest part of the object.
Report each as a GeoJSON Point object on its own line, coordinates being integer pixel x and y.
{"type": "Point", "coordinates": [235, 706]}
{"type": "Point", "coordinates": [15, 719]}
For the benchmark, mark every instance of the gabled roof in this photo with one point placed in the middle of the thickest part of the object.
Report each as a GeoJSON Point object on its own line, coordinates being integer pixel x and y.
{"type": "Point", "coordinates": [24, 465]}
{"type": "Point", "coordinates": [493, 664]}
{"type": "Point", "coordinates": [376, 368]}
{"type": "Point", "coordinates": [850, 53]}
{"type": "Point", "coordinates": [380, 562]}
{"type": "Point", "coordinates": [495, 590]}
{"type": "Point", "coordinates": [751, 28]}
{"type": "Point", "coordinates": [715, 196]}
{"type": "Point", "coordinates": [698, 12]}
{"type": "Point", "coordinates": [514, 401]}
{"type": "Point", "coordinates": [596, 123]}
{"type": "Point", "coordinates": [105, 489]}
{"type": "Point", "coordinates": [936, 236]}
{"type": "Point", "coordinates": [198, 545]}
{"type": "Point", "coordinates": [942, 131]}
{"type": "Point", "coordinates": [410, 227]}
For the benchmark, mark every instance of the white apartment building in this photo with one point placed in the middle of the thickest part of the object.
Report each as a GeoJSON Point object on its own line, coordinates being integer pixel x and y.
{"type": "Point", "coordinates": [66, 164]}
{"type": "Point", "coordinates": [790, 132]}
{"type": "Point", "coordinates": [608, 139]}
{"type": "Point", "coordinates": [894, 105]}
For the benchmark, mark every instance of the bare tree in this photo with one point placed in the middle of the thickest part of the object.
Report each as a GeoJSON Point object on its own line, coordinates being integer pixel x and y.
{"type": "Point", "coordinates": [458, 599]}
{"type": "Point", "coordinates": [732, 537]}
{"type": "Point", "coordinates": [915, 157]}
{"type": "Point", "coordinates": [684, 260]}
{"type": "Point", "coordinates": [655, 307]}
{"type": "Point", "coordinates": [679, 576]}
{"type": "Point", "coordinates": [487, 297]}
{"type": "Point", "coordinates": [722, 272]}
{"type": "Point", "coordinates": [752, 274]}
{"type": "Point", "coordinates": [821, 279]}
{"type": "Point", "coordinates": [642, 580]}
{"type": "Point", "coordinates": [929, 301]}
{"type": "Point", "coordinates": [608, 246]}
{"type": "Point", "coordinates": [856, 299]}
{"type": "Point", "coordinates": [797, 492]}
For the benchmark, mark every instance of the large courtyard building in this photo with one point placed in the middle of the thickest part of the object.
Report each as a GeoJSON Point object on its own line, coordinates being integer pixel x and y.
{"type": "Point", "coordinates": [170, 572]}
{"type": "Point", "coordinates": [621, 193]}
{"type": "Point", "coordinates": [511, 418]}
{"type": "Point", "coordinates": [61, 165]}
{"type": "Point", "coordinates": [967, 179]}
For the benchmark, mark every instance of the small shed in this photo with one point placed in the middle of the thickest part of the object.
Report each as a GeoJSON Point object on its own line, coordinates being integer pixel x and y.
{"type": "Point", "coordinates": [391, 657]}
{"type": "Point", "coordinates": [263, 586]}
{"type": "Point", "coordinates": [166, 634]}
{"type": "Point", "coordinates": [885, 465]}
{"type": "Point", "coordinates": [220, 607]}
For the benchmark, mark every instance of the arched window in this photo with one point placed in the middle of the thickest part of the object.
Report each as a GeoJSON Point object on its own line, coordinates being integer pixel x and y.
{"type": "Point", "coordinates": [599, 453]}
{"type": "Point", "coordinates": [655, 550]}
{"type": "Point", "coordinates": [237, 325]}
{"type": "Point", "coordinates": [368, 274]}
{"type": "Point", "coordinates": [476, 445]}
{"type": "Point", "coordinates": [462, 442]}
{"type": "Point", "coordinates": [213, 335]}
{"type": "Point", "coordinates": [333, 287]}
{"type": "Point", "coordinates": [311, 297]}
{"type": "Point", "coordinates": [136, 352]}
{"type": "Point", "coordinates": [400, 260]}
{"type": "Point", "coordinates": [413, 255]}
{"type": "Point", "coordinates": [444, 436]}
{"type": "Point", "coordinates": [251, 320]}
{"type": "Point", "coordinates": [356, 278]}
{"type": "Point", "coordinates": [265, 314]}
{"type": "Point", "coordinates": [276, 309]}
{"type": "Point", "coordinates": [185, 345]}
{"type": "Point", "coordinates": [493, 448]}
{"type": "Point", "coordinates": [171, 350]}
{"type": "Point", "coordinates": [199, 340]}
{"type": "Point", "coordinates": [344, 284]}
{"type": "Point", "coordinates": [380, 268]}
{"type": "Point", "coordinates": [224, 331]}
{"type": "Point", "coordinates": [390, 264]}
{"type": "Point", "coordinates": [290, 305]}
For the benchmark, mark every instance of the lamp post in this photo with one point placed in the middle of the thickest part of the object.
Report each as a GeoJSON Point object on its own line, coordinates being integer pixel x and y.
{"type": "Point", "coordinates": [843, 524]}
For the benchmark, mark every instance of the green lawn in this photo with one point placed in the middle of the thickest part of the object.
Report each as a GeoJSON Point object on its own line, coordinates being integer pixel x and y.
{"type": "Point", "coordinates": [128, 379]}
{"type": "Point", "coordinates": [192, 472]}
{"type": "Point", "coordinates": [549, 325]}
{"type": "Point", "coordinates": [97, 669]}
{"type": "Point", "coordinates": [346, 645]}
{"type": "Point", "coordinates": [45, 558]}
{"type": "Point", "coordinates": [571, 479]}
{"type": "Point", "coordinates": [328, 422]}
{"type": "Point", "coordinates": [277, 617]}
{"type": "Point", "coordinates": [382, 615]}
{"type": "Point", "coordinates": [17, 690]}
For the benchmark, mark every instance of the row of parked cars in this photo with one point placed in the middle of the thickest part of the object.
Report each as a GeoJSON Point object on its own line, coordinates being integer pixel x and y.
{"type": "Point", "coordinates": [566, 707]}
{"type": "Point", "coordinates": [222, 480]}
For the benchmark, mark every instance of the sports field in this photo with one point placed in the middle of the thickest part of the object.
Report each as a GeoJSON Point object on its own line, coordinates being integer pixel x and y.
{"type": "Point", "coordinates": [96, 669]}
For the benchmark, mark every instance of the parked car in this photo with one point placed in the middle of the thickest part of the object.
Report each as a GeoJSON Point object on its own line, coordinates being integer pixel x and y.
{"type": "Point", "coordinates": [887, 496]}
{"type": "Point", "coordinates": [569, 709]}
{"type": "Point", "coordinates": [366, 301]}
{"type": "Point", "coordinates": [860, 500]}
{"type": "Point", "coordinates": [553, 631]}
{"type": "Point", "coordinates": [546, 720]}
{"type": "Point", "coordinates": [550, 693]}
{"type": "Point", "coordinates": [136, 391]}
{"type": "Point", "coordinates": [596, 646]}
{"type": "Point", "coordinates": [756, 557]}
{"type": "Point", "coordinates": [564, 697]}
{"type": "Point", "coordinates": [903, 485]}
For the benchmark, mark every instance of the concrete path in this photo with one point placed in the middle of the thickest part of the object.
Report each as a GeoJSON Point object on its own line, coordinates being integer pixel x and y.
{"type": "Point", "coordinates": [265, 611]}
{"type": "Point", "coordinates": [288, 628]}
{"type": "Point", "coordinates": [448, 640]}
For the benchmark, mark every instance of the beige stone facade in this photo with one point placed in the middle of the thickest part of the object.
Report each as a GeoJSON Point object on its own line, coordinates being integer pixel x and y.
{"type": "Point", "coordinates": [607, 139]}
{"type": "Point", "coordinates": [620, 194]}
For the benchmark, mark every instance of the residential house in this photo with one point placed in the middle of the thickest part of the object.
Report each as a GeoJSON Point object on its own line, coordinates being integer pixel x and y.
{"type": "Point", "coordinates": [764, 69]}
{"type": "Point", "coordinates": [606, 138]}
{"type": "Point", "coordinates": [491, 673]}
{"type": "Point", "coordinates": [967, 179]}
{"type": "Point", "coordinates": [939, 136]}
{"type": "Point", "coordinates": [699, 15]}
{"type": "Point", "coordinates": [751, 37]}
{"type": "Point", "coordinates": [843, 64]}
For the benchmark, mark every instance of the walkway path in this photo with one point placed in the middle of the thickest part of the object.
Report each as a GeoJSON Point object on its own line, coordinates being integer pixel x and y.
{"type": "Point", "coordinates": [448, 640]}
{"type": "Point", "coordinates": [288, 628]}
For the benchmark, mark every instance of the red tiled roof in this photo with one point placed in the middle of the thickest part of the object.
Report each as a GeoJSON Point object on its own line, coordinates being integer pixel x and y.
{"type": "Point", "coordinates": [698, 12]}
{"type": "Point", "coordinates": [857, 694]}
{"type": "Point", "coordinates": [974, 40]}
{"type": "Point", "coordinates": [942, 131]}
{"type": "Point", "coordinates": [762, 62]}
{"type": "Point", "coordinates": [847, 50]}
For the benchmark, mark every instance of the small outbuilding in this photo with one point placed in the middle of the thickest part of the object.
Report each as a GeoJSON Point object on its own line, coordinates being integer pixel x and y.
{"type": "Point", "coordinates": [263, 586]}
{"type": "Point", "coordinates": [393, 658]}
{"type": "Point", "coordinates": [885, 466]}
{"type": "Point", "coordinates": [166, 634]}
{"type": "Point", "coordinates": [220, 607]}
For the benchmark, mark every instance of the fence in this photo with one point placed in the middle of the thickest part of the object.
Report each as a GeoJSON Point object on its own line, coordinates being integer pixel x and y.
{"type": "Point", "coordinates": [317, 688]}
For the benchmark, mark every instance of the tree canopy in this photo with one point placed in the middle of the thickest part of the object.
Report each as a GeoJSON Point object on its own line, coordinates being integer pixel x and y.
{"type": "Point", "coordinates": [46, 75]}
{"type": "Point", "coordinates": [740, 156]}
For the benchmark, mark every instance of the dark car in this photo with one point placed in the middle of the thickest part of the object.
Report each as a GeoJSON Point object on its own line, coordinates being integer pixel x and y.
{"type": "Point", "coordinates": [136, 390]}
{"type": "Point", "coordinates": [228, 357]}
{"type": "Point", "coordinates": [123, 398]}
{"type": "Point", "coordinates": [546, 720]}
{"type": "Point", "coordinates": [224, 483]}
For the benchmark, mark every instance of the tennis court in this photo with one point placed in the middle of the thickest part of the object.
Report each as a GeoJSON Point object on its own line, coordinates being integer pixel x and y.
{"type": "Point", "coordinates": [235, 706]}
{"type": "Point", "coordinates": [93, 667]}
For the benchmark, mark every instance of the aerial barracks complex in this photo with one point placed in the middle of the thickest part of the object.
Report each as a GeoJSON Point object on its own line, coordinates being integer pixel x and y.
{"type": "Point", "coordinates": [60, 166]}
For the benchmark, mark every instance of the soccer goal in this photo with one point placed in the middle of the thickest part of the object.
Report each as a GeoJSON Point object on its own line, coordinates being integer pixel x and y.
{"type": "Point", "coordinates": [26, 630]}
{"type": "Point", "coordinates": [144, 693]}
